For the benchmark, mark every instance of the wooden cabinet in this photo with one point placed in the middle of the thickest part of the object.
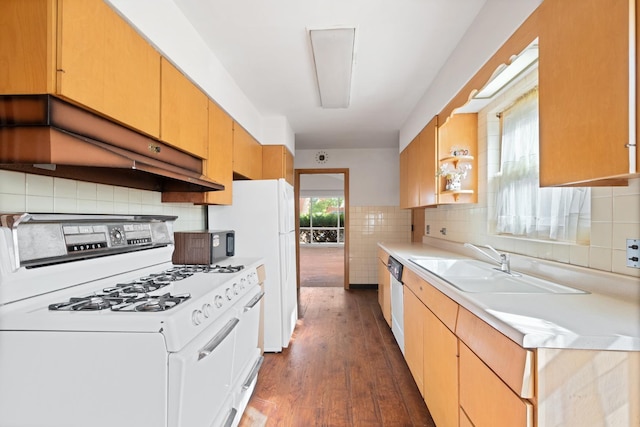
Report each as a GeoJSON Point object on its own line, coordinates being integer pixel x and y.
{"type": "Point", "coordinates": [404, 178]}
{"type": "Point", "coordinates": [277, 162]}
{"type": "Point", "coordinates": [418, 169]}
{"type": "Point", "coordinates": [427, 155]}
{"type": "Point", "coordinates": [431, 347]}
{"type": "Point", "coordinates": [485, 399]}
{"type": "Point", "coordinates": [458, 152]}
{"type": "Point", "coordinates": [584, 92]}
{"type": "Point", "coordinates": [247, 154]}
{"type": "Point", "coordinates": [81, 50]}
{"type": "Point", "coordinates": [414, 173]}
{"type": "Point", "coordinates": [219, 163]}
{"type": "Point", "coordinates": [496, 375]}
{"type": "Point", "coordinates": [414, 313]}
{"type": "Point", "coordinates": [440, 371]}
{"type": "Point", "coordinates": [384, 285]}
{"type": "Point", "coordinates": [183, 112]}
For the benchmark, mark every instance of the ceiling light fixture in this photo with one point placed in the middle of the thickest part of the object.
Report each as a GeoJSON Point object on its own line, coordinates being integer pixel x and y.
{"type": "Point", "coordinates": [507, 73]}
{"type": "Point", "coordinates": [333, 60]}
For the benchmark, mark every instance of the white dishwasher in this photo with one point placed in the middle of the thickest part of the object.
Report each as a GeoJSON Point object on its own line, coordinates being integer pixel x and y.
{"type": "Point", "coordinates": [397, 304]}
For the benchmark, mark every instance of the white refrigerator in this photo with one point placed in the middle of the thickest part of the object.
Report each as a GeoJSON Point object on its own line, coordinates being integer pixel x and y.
{"type": "Point", "coordinates": [263, 217]}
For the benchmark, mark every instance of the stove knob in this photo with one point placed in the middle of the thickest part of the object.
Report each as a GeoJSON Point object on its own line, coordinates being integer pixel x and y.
{"type": "Point", "coordinates": [243, 283]}
{"type": "Point", "coordinates": [196, 317]}
{"type": "Point", "coordinates": [236, 288]}
{"type": "Point", "coordinates": [206, 310]}
{"type": "Point", "coordinates": [229, 293]}
{"type": "Point", "coordinates": [217, 301]}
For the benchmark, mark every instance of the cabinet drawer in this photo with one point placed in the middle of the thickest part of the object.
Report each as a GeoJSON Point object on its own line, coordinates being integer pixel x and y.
{"type": "Point", "coordinates": [485, 399]}
{"type": "Point", "coordinates": [512, 363]}
{"type": "Point", "coordinates": [441, 305]}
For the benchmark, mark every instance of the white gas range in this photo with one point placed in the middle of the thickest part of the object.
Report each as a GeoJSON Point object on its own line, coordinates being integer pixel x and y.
{"type": "Point", "coordinates": [99, 328]}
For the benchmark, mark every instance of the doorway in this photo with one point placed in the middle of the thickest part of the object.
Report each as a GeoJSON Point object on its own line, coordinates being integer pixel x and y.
{"type": "Point", "coordinates": [322, 213]}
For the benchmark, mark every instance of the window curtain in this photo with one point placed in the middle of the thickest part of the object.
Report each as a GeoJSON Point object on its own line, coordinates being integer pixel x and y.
{"type": "Point", "coordinates": [522, 207]}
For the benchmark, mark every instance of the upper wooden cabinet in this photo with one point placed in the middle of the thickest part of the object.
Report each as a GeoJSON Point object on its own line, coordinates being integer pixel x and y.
{"type": "Point", "coordinates": [184, 112]}
{"type": "Point", "coordinates": [427, 154]}
{"type": "Point", "coordinates": [247, 154]}
{"type": "Point", "coordinates": [414, 172]}
{"type": "Point", "coordinates": [584, 92]}
{"type": "Point", "coordinates": [80, 50]}
{"type": "Point", "coordinates": [418, 169]}
{"type": "Point", "coordinates": [458, 150]}
{"type": "Point", "coordinates": [219, 163]}
{"type": "Point", "coordinates": [277, 162]}
{"type": "Point", "coordinates": [404, 178]}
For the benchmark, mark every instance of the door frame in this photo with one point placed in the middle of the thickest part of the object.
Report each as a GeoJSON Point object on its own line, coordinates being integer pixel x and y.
{"type": "Point", "coordinates": [296, 187]}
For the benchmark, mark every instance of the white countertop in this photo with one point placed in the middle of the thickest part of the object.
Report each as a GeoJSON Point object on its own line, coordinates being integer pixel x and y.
{"type": "Point", "coordinates": [606, 318]}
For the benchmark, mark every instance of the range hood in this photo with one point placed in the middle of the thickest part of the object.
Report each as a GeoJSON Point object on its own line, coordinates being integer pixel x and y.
{"type": "Point", "coordinates": [44, 135]}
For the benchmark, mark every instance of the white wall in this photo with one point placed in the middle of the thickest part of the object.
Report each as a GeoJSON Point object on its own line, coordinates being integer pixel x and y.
{"type": "Point", "coordinates": [374, 174]}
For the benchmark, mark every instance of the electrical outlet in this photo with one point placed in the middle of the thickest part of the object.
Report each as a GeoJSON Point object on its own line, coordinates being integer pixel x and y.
{"type": "Point", "coordinates": [633, 253]}
{"type": "Point", "coordinates": [428, 229]}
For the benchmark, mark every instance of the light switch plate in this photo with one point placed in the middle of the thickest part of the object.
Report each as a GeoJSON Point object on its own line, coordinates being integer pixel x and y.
{"type": "Point", "coordinates": [633, 253]}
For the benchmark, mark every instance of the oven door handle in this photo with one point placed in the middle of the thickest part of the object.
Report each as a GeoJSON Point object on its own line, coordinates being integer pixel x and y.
{"type": "Point", "coordinates": [253, 301]}
{"type": "Point", "coordinates": [218, 338]}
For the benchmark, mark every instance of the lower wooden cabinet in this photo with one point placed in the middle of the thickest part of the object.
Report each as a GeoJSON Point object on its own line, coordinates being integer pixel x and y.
{"type": "Point", "coordinates": [414, 315]}
{"type": "Point", "coordinates": [485, 399]}
{"type": "Point", "coordinates": [440, 371]}
{"type": "Point", "coordinates": [384, 285]}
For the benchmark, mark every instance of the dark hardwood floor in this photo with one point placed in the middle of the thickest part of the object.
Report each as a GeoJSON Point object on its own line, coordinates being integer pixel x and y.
{"type": "Point", "coordinates": [342, 368]}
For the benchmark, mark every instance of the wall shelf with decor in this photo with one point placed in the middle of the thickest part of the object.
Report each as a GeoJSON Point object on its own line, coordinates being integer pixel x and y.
{"type": "Point", "coordinates": [457, 171]}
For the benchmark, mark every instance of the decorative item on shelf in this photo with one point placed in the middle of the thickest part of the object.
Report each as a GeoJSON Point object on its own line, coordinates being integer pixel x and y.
{"type": "Point", "coordinates": [454, 176]}
{"type": "Point", "coordinates": [458, 151]}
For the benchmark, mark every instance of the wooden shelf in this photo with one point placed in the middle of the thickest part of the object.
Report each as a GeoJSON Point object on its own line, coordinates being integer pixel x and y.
{"type": "Point", "coordinates": [456, 159]}
{"type": "Point", "coordinates": [456, 193]}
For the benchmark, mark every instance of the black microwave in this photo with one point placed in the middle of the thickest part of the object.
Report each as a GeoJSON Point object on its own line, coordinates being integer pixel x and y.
{"type": "Point", "coordinates": [203, 247]}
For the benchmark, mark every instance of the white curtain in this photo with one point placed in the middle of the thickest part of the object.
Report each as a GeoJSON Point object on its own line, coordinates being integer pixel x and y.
{"type": "Point", "coordinates": [522, 207]}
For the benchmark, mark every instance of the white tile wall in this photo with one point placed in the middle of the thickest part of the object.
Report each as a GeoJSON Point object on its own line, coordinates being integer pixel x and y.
{"type": "Point", "coordinates": [21, 192]}
{"type": "Point", "coordinates": [615, 212]}
{"type": "Point", "coordinates": [369, 225]}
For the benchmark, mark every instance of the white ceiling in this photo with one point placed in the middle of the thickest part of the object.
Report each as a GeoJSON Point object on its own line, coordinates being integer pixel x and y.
{"type": "Point", "coordinates": [400, 47]}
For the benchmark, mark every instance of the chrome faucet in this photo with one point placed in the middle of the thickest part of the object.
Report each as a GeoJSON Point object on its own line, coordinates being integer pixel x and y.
{"type": "Point", "coordinates": [502, 260]}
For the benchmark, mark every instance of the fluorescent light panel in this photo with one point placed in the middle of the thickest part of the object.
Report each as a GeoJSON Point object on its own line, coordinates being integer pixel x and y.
{"type": "Point", "coordinates": [333, 58]}
{"type": "Point", "coordinates": [508, 73]}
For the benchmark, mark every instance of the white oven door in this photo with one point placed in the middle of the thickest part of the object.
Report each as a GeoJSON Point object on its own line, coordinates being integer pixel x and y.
{"type": "Point", "coordinates": [247, 337]}
{"type": "Point", "coordinates": [200, 374]}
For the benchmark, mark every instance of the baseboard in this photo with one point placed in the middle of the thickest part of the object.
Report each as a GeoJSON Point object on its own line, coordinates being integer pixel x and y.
{"type": "Point", "coordinates": [363, 286]}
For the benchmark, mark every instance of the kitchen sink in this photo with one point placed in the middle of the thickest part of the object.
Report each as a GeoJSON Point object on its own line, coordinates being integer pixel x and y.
{"type": "Point", "coordinates": [475, 276]}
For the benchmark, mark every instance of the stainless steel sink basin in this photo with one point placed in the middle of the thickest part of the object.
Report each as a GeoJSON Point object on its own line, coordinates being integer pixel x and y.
{"type": "Point", "coordinates": [470, 275]}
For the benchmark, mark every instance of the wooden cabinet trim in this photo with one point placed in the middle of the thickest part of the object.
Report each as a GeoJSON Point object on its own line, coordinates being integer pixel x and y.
{"type": "Point", "coordinates": [512, 363]}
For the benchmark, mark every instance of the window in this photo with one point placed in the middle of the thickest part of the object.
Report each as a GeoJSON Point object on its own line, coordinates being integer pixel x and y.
{"type": "Point", "coordinates": [522, 207]}
{"type": "Point", "coordinates": [321, 220]}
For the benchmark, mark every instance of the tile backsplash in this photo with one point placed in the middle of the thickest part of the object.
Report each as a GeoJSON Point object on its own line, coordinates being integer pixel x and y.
{"type": "Point", "coordinates": [20, 192]}
{"type": "Point", "coordinates": [369, 225]}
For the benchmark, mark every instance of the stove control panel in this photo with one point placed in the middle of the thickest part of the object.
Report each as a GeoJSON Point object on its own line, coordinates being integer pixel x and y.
{"type": "Point", "coordinates": [48, 239]}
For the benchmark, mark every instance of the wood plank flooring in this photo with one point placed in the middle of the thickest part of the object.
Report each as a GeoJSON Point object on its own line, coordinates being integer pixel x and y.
{"type": "Point", "coordinates": [342, 368]}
